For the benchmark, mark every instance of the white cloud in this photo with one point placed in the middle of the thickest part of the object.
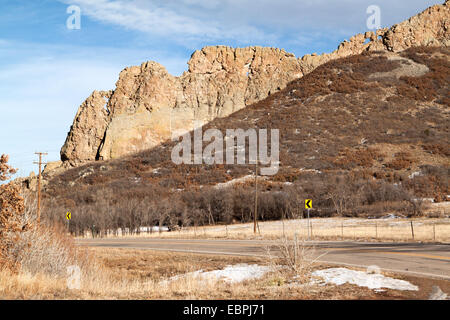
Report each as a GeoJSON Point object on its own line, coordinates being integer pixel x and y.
{"type": "Point", "coordinates": [167, 19]}
{"type": "Point", "coordinates": [211, 4]}
{"type": "Point", "coordinates": [244, 20]}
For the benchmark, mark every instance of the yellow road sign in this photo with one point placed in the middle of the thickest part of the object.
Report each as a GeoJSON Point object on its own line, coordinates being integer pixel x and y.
{"type": "Point", "coordinates": [68, 216]}
{"type": "Point", "coordinates": [308, 203]}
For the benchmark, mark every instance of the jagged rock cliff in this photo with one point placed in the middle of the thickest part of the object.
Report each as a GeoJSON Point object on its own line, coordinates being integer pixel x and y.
{"type": "Point", "coordinates": [149, 105]}
{"type": "Point", "coordinates": [88, 129]}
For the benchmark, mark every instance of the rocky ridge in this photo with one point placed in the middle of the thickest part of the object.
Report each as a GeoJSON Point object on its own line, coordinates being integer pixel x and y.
{"type": "Point", "coordinates": [149, 105]}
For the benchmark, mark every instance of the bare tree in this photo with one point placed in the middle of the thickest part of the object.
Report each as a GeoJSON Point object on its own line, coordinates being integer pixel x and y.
{"type": "Point", "coordinates": [340, 194]}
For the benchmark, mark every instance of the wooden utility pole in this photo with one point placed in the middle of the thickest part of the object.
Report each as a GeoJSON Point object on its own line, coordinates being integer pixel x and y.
{"type": "Point", "coordinates": [40, 163]}
{"type": "Point", "coordinates": [256, 195]}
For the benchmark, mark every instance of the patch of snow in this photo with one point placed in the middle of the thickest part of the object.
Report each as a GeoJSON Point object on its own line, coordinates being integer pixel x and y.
{"type": "Point", "coordinates": [237, 180]}
{"type": "Point", "coordinates": [85, 173]}
{"type": "Point", "coordinates": [423, 199]}
{"type": "Point", "coordinates": [438, 294]}
{"type": "Point", "coordinates": [135, 179]}
{"type": "Point", "coordinates": [373, 270]}
{"type": "Point", "coordinates": [154, 229]}
{"type": "Point", "coordinates": [230, 274]}
{"type": "Point", "coordinates": [415, 174]}
{"type": "Point", "coordinates": [311, 170]}
{"type": "Point", "coordinates": [393, 216]}
{"type": "Point", "coordinates": [339, 276]}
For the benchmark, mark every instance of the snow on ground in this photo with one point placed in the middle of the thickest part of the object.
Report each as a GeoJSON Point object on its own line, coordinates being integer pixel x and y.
{"type": "Point", "coordinates": [154, 229]}
{"type": "Point", "coordinates": [237, 180]}
{"type": "Point", "coordinates": [231, 274]}
{"type": "Point", "coordinates": [375, 281]}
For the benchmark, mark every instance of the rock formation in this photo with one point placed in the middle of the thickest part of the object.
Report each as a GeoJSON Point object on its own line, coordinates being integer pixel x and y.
{"type": "Point", "coordinates": [88, 128]}
{"type": "Point", "coordinates": [149, 105]}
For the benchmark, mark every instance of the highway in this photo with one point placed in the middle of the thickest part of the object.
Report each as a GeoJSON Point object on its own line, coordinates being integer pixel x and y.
{"type": "Point", "coordinates": [418, 259]}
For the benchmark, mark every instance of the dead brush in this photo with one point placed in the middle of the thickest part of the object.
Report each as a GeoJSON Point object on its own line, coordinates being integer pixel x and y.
{"type": "Point", "coordinates": [294, 256]}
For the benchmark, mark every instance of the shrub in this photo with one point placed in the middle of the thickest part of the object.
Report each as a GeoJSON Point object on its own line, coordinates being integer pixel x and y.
{"type": "Point", "coordinates": [433, 84]}
{"type": "Point", "coordinates": [437, 148]}
{"type": "Point", "coordinates": [45, 250]}
{"type": "Point", "coordinates": [26, 246]}
{"type": "Point", "coordinates": [296, 255]}
{"type": "Point", "coordinates": [401, 161]}
{"type": "Point", "coordinates": [11, 216]}
{"type": "Point", "coordinates": [361, 157]}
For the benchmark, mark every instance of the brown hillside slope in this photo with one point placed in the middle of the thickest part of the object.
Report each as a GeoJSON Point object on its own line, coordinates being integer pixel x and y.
{"type": "Point", "coordinates": [374, 126]}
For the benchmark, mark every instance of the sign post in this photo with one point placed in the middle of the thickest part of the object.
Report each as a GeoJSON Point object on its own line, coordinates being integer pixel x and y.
{"type": "Point", "coordinates": [308, 206]}
{"type": "Point", "coordinates": [68, 217]}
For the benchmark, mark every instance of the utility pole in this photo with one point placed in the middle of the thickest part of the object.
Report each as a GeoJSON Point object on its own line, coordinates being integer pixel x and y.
{"type": "Point", "coordinates": [40, 163]}
{"type": "Point", "coordinates": [256, 195]}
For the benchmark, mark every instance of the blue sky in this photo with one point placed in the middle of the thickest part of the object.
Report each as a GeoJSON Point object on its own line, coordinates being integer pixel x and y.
{"type": "Point", "coordinates": [48, 70]}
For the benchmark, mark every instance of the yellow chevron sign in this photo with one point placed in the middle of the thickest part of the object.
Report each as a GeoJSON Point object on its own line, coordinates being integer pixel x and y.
{"type": "Point", "coordinates": [308, 203]}
{"type": "Point", "coordinates": [68, 216]}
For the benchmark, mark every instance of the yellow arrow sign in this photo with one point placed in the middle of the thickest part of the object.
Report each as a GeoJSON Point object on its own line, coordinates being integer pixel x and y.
{"type": "Point", "coordinates": [308, 203]}
{"type": "Point", "coordinates": [68, 216]}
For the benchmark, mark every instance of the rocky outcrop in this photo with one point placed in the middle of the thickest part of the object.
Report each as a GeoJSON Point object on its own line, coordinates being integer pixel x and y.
{"type": "Point", "coordinates": [88, 129]}
{"type": "Point", "coordinates": [429, 28]}
{"type": "Point", "coordinates": [51, 169]}
{"type": "Point", "coordinates": [149, 105]}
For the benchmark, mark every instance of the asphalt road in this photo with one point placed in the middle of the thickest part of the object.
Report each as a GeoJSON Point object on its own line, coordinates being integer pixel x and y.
{"type": "Point", "coordinates": [427, 260]}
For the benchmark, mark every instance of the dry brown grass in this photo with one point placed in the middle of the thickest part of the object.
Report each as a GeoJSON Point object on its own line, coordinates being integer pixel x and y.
{"type": "Point", "coordinates": [425, 229]}
{"type": "Point", "coordinates": [134, 274]}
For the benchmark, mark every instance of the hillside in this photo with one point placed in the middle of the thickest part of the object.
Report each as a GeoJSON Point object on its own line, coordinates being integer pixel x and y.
{"type": "Point", "coordinates": [369, 132]}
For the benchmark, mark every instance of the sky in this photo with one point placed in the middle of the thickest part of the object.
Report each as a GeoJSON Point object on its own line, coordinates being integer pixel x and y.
{"type": "Point", "coordinates": [51, 58]}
